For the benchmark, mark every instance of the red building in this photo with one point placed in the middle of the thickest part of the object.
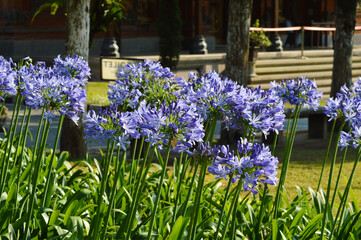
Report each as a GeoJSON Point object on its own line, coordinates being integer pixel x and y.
{"type": "Point", "coordinates": [137, 34]}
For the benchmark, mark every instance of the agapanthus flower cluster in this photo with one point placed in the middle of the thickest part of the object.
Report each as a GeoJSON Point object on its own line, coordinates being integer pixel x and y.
{"type": "Point", "coordinates": [258, 109]}
{"type": "Point", "coordinates": [74, 67]}
{"type": "Point", "coordinates": [54, 90]}
{"type": "Point", "coordinates": [298, 92]}
{"type": "Point", "coordinates": [346, 105]}
{"type": "Point", "coordinates": [145, 81]}
{"type": "Point", "coordinates": [177, 122]}
{"type": "Point", "coordinates": [7, 79]}
{"type": "Point", "coordinates": [252, 164]}
{"type": "Point", "coordinates": [209, 92]}
{"type": "Point", "coordinates": [353, 138]}
{"type": "Point", "coordinates": [112, 124]}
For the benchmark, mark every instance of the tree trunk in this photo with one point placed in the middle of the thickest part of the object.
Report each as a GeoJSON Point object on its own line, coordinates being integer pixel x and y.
{"type": "Point", "coordinates": [77, 43]}
{"type": "Point", "coordinates": [342, 58]}
{"type": "Point", "coordinates": [239, 20]}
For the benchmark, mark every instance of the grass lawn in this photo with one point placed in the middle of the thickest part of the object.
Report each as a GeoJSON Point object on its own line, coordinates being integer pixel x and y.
{"type": "Point", "coordinates": [305, 168]}
{"type": "Point", "coordinates": [97, 93]}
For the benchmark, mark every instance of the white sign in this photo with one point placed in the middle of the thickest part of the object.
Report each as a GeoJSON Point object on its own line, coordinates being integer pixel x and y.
{"type": "Point", "coordinates": [110, 67]}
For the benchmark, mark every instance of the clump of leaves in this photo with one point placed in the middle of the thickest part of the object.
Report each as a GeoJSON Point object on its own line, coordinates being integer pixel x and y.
{"type": "Point", "coordinates": [259, 38]}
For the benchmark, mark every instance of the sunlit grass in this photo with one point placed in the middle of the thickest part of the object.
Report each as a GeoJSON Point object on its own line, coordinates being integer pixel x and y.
{"type": "Point", "coordinates": [97, 93]}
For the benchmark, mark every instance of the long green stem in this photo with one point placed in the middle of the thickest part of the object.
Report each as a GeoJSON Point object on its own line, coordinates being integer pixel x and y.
{"type": "Point", "coordinates": [156, 205]}
{"type": "Point", "coordinates": [330, 181]}
{"type": "Point", "coordinates": [180, 180]}
{"type": "Point", "coordinates": [136, 195]}
{"type": "Point", "coordinates": [185, 203]}
{"type": "Point", "coordinates": [287, 155]}
{"type": "Point", "coordinates": [210, 134]}
{"type": "Point", "coordinates": [96, 224]}
{"type": "Point", "coordinates": [36, 174]}
{"type": "Point", "coordinates": [345, 194]}
{"type": "Point", "coordinates": [22, 153]}
{"type": "Point", "coordinates": [274, 144]}
{"type": "Point", "coordinates": [38, 132]}
{"type": "Point", "coordinates": [232, 208]}
{"type": "Point", "coordinates": [113, 190]}
{"type": "Point", "coordinates": [21, 136]}
{"type": "Point", "coordinates": [326, 155]}
{"type": "Point", "coordinates": [339, 176]}
{"type": "Point", "coordinates": [197, 201]}
{"type": "Point", "coordinates": [132, 164]}
{"type": "Point", "coordinates": [7, 151]}
{"type": "Point", "coordinates": [140, 152]}
{"type": "Point", "coordinates": [50, 167]}
{"type": "Point", "coordinates": [223, 206]}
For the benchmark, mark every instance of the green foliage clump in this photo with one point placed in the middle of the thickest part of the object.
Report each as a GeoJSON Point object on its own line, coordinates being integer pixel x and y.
{"type": "Point", "coordinates": [259, 38]}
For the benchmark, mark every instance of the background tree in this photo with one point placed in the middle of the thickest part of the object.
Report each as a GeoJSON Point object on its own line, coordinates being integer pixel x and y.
{"type": "Point", "coordinates": [84, 18]}
{"type": "Point", "coordinates": [239, 21]}
{"type": "Point", "coordinates": [77, 43]}
{"type": "Point", "coordinates": [102, 13]}
{"type": "Point", "coordinates": [342, 58]}
{"type": "Point", "coordinates": [170, 32]}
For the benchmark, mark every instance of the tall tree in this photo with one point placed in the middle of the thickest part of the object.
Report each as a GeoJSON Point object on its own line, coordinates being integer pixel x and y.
{"type": "Point", "coordinates": [169, 32]}
{"type": "Point", "coordinates": [77, 43]}
{"type": "Point", "coordinates": [239, 20]}
{"type": "Point", "coordinates": [342, 58]}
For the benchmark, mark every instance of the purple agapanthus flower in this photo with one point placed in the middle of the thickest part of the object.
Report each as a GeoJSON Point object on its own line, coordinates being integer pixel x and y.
{"type": "Point", "coordinates": [112, 124]}
{"type": "Point", "coordinates": [176, 122]}
{"type": "Point", "coordinates": [252, 164]}
{"type": "Point", "coordinates": [298, 92]}
{"type": "Point", "coordinates": [74, 67]}
{"type": "Point", "coordinates": [346, 105]}
{"type": "Point", "coordinates": [209, 92]}
{"type": "Point", "coordinates": [353, 138]}
{"type": "Point", "coordinates": [54, 89]}
{"type": "Point", "coordinates": [7, 79]}
{"type": "Point", "coordinates": [262, 111]}
{"type": "Point", "coordinates": [147, 81]}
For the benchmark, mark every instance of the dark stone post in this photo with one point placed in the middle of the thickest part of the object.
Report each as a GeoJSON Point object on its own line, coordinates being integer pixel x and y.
{"type": "Point", "coordinates": [199, 45]}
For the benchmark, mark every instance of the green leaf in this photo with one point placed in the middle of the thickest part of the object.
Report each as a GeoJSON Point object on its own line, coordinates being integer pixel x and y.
{"type": "Point", "coordinates": [296, 221]}
{"type": "Point", "coordinates": [178, 228]}
{"type": "Point", "coordinates": [70, 212]}
{"type": "Point", "coordinates": [85, 208]}
{"type": "Point", "coordinates": [11, 198]}
{"type": "Point", "coordinates": [311, 227]}
{"type": "Point", "coordinates": [63, 156]}
{"type": "Point", "coordinates": [54, 217]}
{"type": "Point", "coordinates": [274, 229]}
